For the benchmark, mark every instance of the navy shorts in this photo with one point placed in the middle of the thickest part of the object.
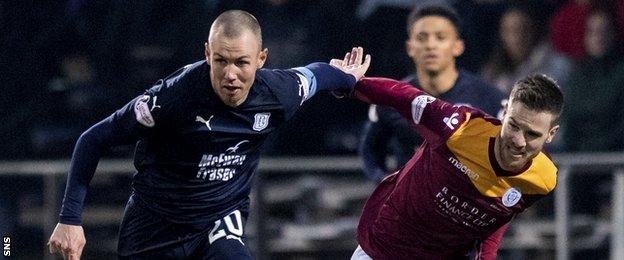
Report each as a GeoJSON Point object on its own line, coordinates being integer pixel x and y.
{"type": "Point", "coordinates": [144, 235]}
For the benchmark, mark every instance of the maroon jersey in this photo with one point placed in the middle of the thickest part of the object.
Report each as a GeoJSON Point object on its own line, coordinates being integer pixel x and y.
{"type": "Point", "coordinates": [452, 196]}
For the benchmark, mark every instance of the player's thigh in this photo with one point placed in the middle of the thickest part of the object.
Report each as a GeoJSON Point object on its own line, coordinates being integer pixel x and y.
{"type": "Point", "coordinates": [143, 235]}
{"type": "Point", "coordinates": [171, 252]}
{"type": "Point", "coordinates": [225, 239]}
{"type": "Point", "coordinates": [228, 249]}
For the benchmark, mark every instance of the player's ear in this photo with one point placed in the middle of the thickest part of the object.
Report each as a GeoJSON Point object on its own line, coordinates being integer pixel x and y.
{"type": "Point", "coordinates": [458, 48]}
{"type": "Point", "coordinates": [505, 105]}
{"type": "Point", "coordinates": [262, 56]}
{"type": "Point", "coordinates": [551, 133]}
{"type": "Point", "coordinates": [409, 48]}
{"type": "Point", "coordinates": [503, 110]}
{"type": "Point", "coordinates": [207, 51]}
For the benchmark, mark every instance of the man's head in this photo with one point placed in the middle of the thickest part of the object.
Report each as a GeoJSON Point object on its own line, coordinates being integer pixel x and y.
{"type": "Point", "coordinates": [234, 53]}
{"type": "Point", "coordinates": [434, 40]}
{"type": "Point", "coordinates": [600, 33]}
{"type": "Point", "coordinates": [531, 120]}
{"type": "Point", "coordinates": [518, 32]}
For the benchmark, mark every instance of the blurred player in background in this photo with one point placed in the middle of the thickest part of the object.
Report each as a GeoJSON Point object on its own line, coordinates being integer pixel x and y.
{"type": "Point", "coordinates": [522, 49]}
{"type": "Point", "coordinates": [470, 178]}
{"type": "Point", "coordinates": [197, 135]}
{"type": "Point", "coordinates": [434, 43]}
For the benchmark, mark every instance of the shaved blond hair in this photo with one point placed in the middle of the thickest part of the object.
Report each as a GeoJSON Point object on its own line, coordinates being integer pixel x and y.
{"type": "Point", "coordinates": [233, 23]}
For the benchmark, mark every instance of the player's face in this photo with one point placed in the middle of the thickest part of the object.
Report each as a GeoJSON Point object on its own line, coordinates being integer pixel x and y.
{"type": "Point", "coordinates": [233, 64]}
{"type": "Point", "coordinates": [516, 35]}
{"type": "Point", "coordinates": [599, 36]}
{"type": "Point", "coordinates": [523, 135]}
{"type": "Point", "coordinates": [434, 44]}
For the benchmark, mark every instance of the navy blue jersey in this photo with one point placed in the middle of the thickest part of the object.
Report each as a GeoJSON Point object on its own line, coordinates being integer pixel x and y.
{"type": "Point", "coordinates": [195, 156]}
{"type": "Point", "coordinates": [388, 133]}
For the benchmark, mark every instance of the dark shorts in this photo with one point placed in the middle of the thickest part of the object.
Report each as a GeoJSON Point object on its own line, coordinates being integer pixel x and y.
{"type": "Point", "coordinates": [144, 235]}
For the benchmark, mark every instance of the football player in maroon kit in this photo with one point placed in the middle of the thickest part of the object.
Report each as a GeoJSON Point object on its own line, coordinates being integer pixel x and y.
{"type": "Point", "coordinates": [473, 174]}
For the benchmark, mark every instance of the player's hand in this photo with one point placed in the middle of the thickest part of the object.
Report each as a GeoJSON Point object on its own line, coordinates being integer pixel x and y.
{"type": "Point", "coordinates": [67, 240]}
{"type": "Point", "coordinates": [353, 63]}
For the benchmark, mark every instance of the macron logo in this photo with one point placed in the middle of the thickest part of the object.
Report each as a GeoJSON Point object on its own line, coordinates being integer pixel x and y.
{"type": "Point", "coordinates": [462, 168]}
{"type": "Point", "coordinates": [452, 121]}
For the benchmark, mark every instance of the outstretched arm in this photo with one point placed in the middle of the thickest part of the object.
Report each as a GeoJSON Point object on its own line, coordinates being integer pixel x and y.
{"type": "Point", "coordinates": [381, 91]}
{"type": "Point", "coordinates": [299, 84]}
{"type": "Point", "coordinates": [325, 76]}
{"type": "Point", "coordinates": [432, 118]}
{"type": "Point", "coordinates": [68, 236]}
{"type": "Point", "coordinates": [392, 93]}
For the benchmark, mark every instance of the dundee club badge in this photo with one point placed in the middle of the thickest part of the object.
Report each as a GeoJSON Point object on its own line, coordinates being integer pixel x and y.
{"type": "Point", "coordinates": [261, 121]}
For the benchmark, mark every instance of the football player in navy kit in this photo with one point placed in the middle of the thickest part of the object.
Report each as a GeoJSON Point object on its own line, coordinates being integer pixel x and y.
{"type": "Point", "coordinates": [434, 43]}
{"type": "Point", "coordinates": [197, 135]}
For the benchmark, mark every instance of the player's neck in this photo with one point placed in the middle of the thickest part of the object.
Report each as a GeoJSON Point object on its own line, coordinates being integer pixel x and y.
{"type": "Point", "coordinates": [438, 83]}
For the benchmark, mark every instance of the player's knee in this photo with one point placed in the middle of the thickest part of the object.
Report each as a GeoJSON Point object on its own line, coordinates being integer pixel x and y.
{"type": "Point", "coordinates": [229, 248]}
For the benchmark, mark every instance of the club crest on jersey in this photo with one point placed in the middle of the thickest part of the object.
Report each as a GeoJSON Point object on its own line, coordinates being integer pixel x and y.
{"type": "Point", "coordinates": [261, 121]}
{"type": "Point", "coordinates": [511, 197]}
{"type": "Point", "coordinates": [142, 111]}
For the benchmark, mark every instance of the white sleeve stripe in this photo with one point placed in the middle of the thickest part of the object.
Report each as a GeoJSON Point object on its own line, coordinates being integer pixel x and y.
{"type": "Point", "coordinates": [418, 106]}
{"type": "Point", "coordinates": [307, 85]}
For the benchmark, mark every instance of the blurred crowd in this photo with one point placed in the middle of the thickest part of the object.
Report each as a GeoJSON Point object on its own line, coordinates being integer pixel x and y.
{"type": "Point", "coordinates": [67, 64]}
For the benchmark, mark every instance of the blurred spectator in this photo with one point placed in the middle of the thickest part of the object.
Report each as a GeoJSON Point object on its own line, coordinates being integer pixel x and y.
{"type": "Point", "coordinates": [522, 51]}
{"type": "Point", "coordinates": [595, 90]}
{"type": "Point", "coordinates": [71, 103]}
{"type": "Point", "coordinates": [479, 20]}
{"type": "Point", "coordinates": [593, 121]}
{"type": "Point", "coordinates": [567, 27]}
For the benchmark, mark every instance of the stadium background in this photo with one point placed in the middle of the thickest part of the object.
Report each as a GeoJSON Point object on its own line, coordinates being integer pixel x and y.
{"type": "Point", "coordinates": [66, 64]}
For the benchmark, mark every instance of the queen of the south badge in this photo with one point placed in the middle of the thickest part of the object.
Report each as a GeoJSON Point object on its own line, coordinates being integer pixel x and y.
{"type": "Point", "coordinates": [511, 197]}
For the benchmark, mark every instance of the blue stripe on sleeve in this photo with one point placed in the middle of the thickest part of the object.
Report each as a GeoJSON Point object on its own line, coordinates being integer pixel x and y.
{"type": "Point", "coordinates": [311, 81]}
{"type": "Point", "coordinates": [330, 78]}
